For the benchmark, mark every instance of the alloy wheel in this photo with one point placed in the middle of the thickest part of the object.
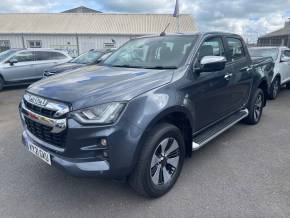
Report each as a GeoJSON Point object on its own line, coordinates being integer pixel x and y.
{"type": "Point", "coordinates": [165, 161]}
{"type": "Point", "coordinates": [258, 107]}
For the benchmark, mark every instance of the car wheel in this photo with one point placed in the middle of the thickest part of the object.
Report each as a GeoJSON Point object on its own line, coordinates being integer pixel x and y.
{"type": "Point", "coordinates": [275, 88]}
{"type": "Point", "coordinates": [256, 108]}
{"type": "Point", "coordinates": [288, 85]}
{"type": "Point", "coordinates": [160, 162]}
{"type": "Point", "coordinates": [1, 84]}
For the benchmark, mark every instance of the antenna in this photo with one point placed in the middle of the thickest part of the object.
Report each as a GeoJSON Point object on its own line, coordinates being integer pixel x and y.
{"type": "Point", "coordinates": [163, 33]}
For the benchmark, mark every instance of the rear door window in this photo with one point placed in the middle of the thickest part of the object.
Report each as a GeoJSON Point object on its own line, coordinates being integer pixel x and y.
{"type": "Point", "coordinates": [236, 48]}
{"type": "Point", "coordinates": [48, 55]}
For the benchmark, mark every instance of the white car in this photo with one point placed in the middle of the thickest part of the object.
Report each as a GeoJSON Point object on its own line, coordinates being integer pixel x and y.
{"type": "Point", "coordinates": [24, 66]}
{"type": "Point", "coordinates": [281, 57]}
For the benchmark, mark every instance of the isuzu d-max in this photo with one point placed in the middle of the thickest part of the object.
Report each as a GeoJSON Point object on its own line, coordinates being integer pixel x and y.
{"type": "Point", "coordinates": [153, 102]}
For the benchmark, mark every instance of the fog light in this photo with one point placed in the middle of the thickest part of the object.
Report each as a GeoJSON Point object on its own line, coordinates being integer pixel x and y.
{"type": "Point", "coordinates": [104, 142]}
{"type": "Point", "coordinates": [106, 154]}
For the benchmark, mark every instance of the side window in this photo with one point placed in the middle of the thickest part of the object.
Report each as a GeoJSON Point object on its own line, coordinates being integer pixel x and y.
{"type": "Point", "coordinates": [56, 55]}
{"type": "Point", "coordinates": [236, 49]}
{"type": "Point", "coordinates": [48, 55]}
{"type": "Point", "coordinates": [286, 53]}
{"type": "Point", "coordinates": [25, 56]}
{"type": "Point", "coordinates": [212, 47]}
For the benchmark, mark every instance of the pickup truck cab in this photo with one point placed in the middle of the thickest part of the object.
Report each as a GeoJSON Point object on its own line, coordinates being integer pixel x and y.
{"type": "Point", "coordinates": [281, 57]}
{"type": "Point", "coordinates": [153, 102]}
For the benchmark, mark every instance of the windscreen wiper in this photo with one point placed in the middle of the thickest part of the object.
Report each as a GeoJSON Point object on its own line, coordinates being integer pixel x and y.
{"type": "Point", "coordinates": [162, 67]}
{"type": "Point", "coordinates": [126, 66]}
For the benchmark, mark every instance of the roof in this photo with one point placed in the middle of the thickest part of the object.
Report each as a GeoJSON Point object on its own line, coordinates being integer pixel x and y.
{"type": "Point", "coordinates": [81, 9]}
{"type": "Point", "coordinates": [281, 32]}
{"type": "Point", "coordinates": [93, 23]}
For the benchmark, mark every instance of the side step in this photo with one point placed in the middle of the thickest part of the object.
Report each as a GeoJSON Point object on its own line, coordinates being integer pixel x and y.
{"type": "Point", "coordinates": [209, 134]}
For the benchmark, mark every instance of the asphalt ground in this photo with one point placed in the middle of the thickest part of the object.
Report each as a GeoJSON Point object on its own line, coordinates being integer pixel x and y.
{"type": "Point", "coordinates": [243, 173]}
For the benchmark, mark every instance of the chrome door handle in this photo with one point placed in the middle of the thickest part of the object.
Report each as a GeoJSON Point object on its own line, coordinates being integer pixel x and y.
{"type": "Point", "coordinates": [228, 76]}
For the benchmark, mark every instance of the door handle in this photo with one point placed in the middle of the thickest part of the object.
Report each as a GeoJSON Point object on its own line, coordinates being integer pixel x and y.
{"type": "Point", "coordinates": [228, 76]}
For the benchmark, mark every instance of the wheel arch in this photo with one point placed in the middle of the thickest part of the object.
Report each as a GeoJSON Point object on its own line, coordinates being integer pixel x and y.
{"type": "Point", "coordinates": [265, 88]}
{"type": "Point", "coordinates": [178, 116]}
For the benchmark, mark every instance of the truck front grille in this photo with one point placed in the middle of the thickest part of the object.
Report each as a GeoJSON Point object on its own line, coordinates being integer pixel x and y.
{"type": "Point", "coordinates": [44, 133]}
{"type": "Point", "coordinates": [39, 110]}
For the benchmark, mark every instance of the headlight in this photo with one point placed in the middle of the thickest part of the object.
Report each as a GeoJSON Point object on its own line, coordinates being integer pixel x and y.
{"type": "Point", "coordinates": [100, 114]}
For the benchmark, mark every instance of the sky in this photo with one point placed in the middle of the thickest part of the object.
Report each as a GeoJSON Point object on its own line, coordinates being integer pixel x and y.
{"type": "Point", "coordinates": [250, 18]}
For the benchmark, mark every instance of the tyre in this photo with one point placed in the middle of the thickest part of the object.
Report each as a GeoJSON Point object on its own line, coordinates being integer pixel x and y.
{"type": "Point", "coordinates": [160, 162]}
{"type": "Point", "coordinates": [256, 107]}
{"type": "Point", "coordinates": [1, 84]}
{"type": "Point", "coordinates": [275, 88]}
{"type": "Point", "coordinates": [288, 85]}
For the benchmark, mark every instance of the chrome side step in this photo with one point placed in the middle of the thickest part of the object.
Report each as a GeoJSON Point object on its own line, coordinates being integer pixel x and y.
{"type": "Point", "coordinates": [207, 135]}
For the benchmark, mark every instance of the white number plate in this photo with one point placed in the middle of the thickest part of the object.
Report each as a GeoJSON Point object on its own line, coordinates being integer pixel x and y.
{"type": "Point", "coordinates": [43, 155]}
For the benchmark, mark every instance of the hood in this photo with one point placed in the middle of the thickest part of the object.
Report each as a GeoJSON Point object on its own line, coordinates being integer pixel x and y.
{"type": "Point", "coordinates": [94, 85]}
{"type": "Point", "coordinates": [64, 67]}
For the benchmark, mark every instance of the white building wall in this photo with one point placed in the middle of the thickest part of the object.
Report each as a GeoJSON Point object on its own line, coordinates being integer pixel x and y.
{"type": "Point", "coordinates": [67, 42]}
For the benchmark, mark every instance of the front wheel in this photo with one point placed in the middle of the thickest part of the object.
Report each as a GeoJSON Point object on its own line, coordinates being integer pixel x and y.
{"type": "Point", "coordinates": [160, 161]}
{"type": "Point", "coordinates": [255, 107]}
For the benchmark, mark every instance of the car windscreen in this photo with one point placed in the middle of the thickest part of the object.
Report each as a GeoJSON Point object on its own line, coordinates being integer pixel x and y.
{"type": "Point", "coordinates": [6, 54]}
{"type": "Point", "coordinates": [87, 58]}
{"type": "Point", "coordinates": [264, 52]}
{"type": "Point", "coordinates": [164, 52]}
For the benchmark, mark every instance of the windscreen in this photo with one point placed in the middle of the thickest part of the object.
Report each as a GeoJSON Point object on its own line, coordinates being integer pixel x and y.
{"type": "Point", "coordinates": [6, 54]}
{"type": "Point", "coordinates": [87, 58]}
{"type": "Point", "coordinates": [167, 52]}
{"type": "Point", "coordinates": [264, 52]}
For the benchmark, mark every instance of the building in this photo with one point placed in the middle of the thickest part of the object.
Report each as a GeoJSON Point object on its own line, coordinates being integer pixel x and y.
{"type": "Point", "coordinates": [80, 32]}
{"type": "Point", "coordinates": [280, 37]}
{"type": "Point", "coordinates": [81, 9]}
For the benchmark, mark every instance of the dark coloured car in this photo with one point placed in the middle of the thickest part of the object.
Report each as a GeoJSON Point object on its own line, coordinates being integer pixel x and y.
{"type": "Point", "coordinates": [89, 58]}
{"type": "Point", "coordinates": [153, 102]}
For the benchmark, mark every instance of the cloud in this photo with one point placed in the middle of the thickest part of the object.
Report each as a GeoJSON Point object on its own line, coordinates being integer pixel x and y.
{"type": "Point", "coordinates": [247, 17]}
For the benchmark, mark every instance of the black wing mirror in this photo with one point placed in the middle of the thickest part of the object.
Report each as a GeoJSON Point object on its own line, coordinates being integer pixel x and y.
{"type": "Point", "coordinates": [12, 61]}
{"type": "Point", "coordinates": [212, 63]}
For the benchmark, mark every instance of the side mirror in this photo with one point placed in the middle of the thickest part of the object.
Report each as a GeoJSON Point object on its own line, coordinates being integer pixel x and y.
{"type": "Point", "coordinates": [285, 59]}
{"type": "Point", "coordinates": [212, 63]}
{"type": "Point", "coordinates": [12, 61]}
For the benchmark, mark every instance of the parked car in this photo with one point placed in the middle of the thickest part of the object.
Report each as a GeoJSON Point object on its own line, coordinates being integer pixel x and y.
{"type": "Point", "coordinates": [155, 100]}
{"type": "Point", "coordinates": [24, 66]}
{"type": "Point", "coordinates": [281, 57]}
{"type": "Point", "coordinates": [89, 58]}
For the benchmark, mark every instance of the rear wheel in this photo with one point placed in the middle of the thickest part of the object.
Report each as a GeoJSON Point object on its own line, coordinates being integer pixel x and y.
{"type": "Point", "coordinates": [256, 107]}
{"type": "Point", "coordinates": [1, 84]}
{"type": "Point", "coordinates": [160, 163]}
{"type": "Point", "coordinates": [275, 88]}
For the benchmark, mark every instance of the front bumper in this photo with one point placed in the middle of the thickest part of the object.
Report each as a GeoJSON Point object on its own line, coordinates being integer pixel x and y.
{"type": "Point", "coordinates": [75, 166]}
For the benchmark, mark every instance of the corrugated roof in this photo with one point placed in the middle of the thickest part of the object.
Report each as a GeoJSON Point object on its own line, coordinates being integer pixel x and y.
{"type": "Point", "coordinates": [132, 24]}
{"type": "Point", "coordinates": [281, 32]}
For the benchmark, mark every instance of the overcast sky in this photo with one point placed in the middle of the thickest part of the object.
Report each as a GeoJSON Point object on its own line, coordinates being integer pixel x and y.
{"type": "Point", "coordinates": [247, 17]}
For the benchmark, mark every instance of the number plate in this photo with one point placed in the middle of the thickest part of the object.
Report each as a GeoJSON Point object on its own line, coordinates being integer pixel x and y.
{"type": "Point", "coordinates": [43, 155]}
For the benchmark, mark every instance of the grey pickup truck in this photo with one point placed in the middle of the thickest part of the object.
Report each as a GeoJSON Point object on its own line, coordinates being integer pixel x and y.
{"type": "Point", "coordinates": [153, 102]}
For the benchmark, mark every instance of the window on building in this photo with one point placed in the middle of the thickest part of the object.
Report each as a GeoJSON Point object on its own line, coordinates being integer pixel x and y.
{"type": "Point", "coordinates": [236, 48]}
{"type": "Point", "coordinates": [4, 45]}
{"type": "Point", "coordinates": [34, 44]}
